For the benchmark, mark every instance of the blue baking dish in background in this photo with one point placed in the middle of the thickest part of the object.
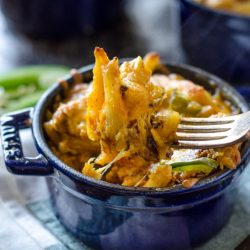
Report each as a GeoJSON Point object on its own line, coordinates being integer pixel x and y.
{"type": "Point", "coordinates": [217, 41]}
{"type": "Point", "coordinates": [109, 216]}
{"type": "Point", "coordinates": [61, 18]}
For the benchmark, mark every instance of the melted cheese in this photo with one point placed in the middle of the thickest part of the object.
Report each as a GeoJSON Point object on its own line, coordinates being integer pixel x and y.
{"type": "Point", "coordinates": [127, 120]}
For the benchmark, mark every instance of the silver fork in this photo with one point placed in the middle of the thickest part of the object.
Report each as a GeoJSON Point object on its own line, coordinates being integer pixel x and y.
{"type": "Point", "coordinates": [213, 132]}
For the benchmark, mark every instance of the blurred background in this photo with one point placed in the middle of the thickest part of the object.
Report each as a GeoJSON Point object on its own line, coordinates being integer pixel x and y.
{"type": "Point", "coordinates": [35, 35]}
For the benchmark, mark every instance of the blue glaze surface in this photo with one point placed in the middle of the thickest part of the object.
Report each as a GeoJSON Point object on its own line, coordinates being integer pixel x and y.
{"type": "Point", "coordinates": [109, 216]}
{"type": "Point", "coordinates": [216, 41]}
{"type": "Point", "coordinates": [103, 227]}
{"type": "Point", "coordinates": [12, 146]}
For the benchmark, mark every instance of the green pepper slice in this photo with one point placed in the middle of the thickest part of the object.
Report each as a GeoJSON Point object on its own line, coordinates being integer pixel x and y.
{"type": "Point", "coordinates": [203, 164]}
{"type": "Point", "coordinates": [30, 75]}
{"type": "Point", "coordinates": [203, 160]}
{"type": "Point", "coordinates": [24, 102]}
{"type": "Point", "coordinates": [198, 168]}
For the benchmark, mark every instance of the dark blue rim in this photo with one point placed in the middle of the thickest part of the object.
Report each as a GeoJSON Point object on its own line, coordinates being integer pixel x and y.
{"type": "Point", "coordinates": [224, 13]}
{"type": "Point", "coordinates": [43, 147]}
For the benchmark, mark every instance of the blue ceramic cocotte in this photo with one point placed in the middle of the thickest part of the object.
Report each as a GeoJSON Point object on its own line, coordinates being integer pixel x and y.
{"type": "Point", "coordinates": [216, 40]}
{"type": "Point", "coordinates": [113, 217]}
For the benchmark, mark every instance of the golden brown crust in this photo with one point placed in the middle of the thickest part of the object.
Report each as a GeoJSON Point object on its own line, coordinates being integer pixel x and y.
{"type": "Point", "coordinates": [127, 119]}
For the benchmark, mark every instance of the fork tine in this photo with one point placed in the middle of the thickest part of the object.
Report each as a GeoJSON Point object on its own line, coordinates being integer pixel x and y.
{"type": "Point", "coordinates": [203, 129]}
{"type": "Point", "coordinates": [220, 143]}
{"type": "Point", "coordinates": [213, 120]}
{"type": "Point", "coordinates": [200, 144]}
{"type": "Point", "coordinates": [203, 133]}
{"type": "Point", "coordinates": [201, 136]}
